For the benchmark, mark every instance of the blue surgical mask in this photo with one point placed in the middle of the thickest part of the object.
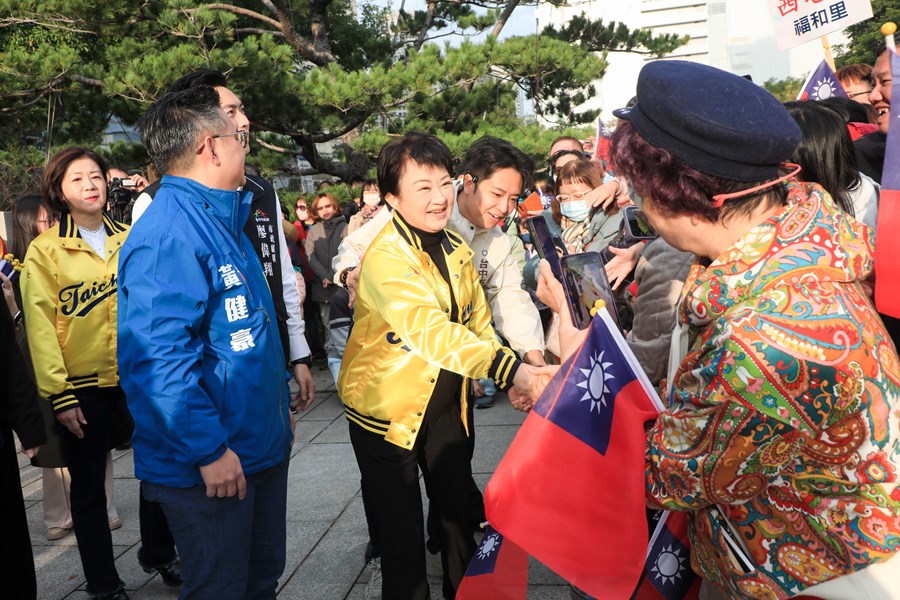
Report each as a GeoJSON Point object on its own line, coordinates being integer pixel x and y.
{"type": "Point", "coordinates": [575, 210]}
{"type": "Point", "coordinates": [526, 238]}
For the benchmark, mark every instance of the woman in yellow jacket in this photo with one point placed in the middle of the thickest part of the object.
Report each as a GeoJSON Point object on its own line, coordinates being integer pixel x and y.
{"type": "Point", "coordinates": [69, 286]}
{"type": "Point", "coordinates": [422, 330]}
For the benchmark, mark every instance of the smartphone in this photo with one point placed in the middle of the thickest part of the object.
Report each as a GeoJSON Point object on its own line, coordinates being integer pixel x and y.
{"type": "Point", "coordinates": [6, 268]}
{"type": "Point", "coordinates": [530, 204]}
{"type": "Point", "coordinates": [585, 282]}
{"type": "Point", "coordinates": [545, 245]}
{"type": "Point", "coordinates": [637, 226]}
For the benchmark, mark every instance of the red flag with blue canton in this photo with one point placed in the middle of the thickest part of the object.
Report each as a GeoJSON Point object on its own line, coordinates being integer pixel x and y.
{"type": "Point", "coordinates": [498, 570]}
{"type": "Point", "coordinates": [667, 571]}
{"type": "Point", "coordinates": [887, 243]}
{"type": "Point", "coordinates": [822, 83]}
{"type": "Point", "coordinates": [570, 490]}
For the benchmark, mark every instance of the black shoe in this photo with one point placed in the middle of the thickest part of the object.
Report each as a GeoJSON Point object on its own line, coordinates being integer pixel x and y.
{"type": "Point", "coordinates": [170, 573]}
{"type": "Point", "coordinates": [120, 595]}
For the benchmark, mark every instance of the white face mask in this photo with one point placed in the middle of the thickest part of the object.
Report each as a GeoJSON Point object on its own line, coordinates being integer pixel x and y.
{"type": "Point", "coordinates": [371, 199]}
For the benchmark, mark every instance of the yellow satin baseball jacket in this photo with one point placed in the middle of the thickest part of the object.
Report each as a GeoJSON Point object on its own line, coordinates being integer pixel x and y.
{"type": "Point", "coordinates": [70, 293]}
{"type": "Point", "coordinates": [402, 336]}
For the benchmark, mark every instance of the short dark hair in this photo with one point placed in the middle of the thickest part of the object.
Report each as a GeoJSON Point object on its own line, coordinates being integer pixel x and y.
{"type": "Point", "coordinates": [489, 155]}
{"type": "Point", "coordinates": [51, 184]}
{"type": "Point", "coordinates": [171, 126]}
{"type": "Point", "coordinates": [422, 148]}
{"type": "Point", "coordinates": [199, 77]}
{"type": "Point", "coordinates": [826, 151]}
{"type": "Point", "coordinates": [675, 187]}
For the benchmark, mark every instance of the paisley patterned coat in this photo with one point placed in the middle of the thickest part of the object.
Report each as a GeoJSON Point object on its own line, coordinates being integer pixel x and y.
{"type": "Point", "coordinates": [785, 410]}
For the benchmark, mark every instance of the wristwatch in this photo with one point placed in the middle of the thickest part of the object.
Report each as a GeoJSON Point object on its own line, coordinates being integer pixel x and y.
{"type": "Point", "coordinates": [306, 360]}
{"type": "Point", "coordinates": [342, 278]}
{"type": "Point", "coordinates": [17, 319]}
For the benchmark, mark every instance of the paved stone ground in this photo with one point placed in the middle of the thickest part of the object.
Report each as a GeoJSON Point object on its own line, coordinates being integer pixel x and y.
{"type": "Point", "coordinates": [326, 526]}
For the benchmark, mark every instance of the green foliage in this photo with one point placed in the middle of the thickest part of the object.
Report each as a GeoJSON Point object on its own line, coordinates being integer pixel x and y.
{"type": "Point", "coordinates": [865, 37]}
{"type": "Point", "coordinates": [308, 71]}
{"type": "Point", "coordinates": [785, 89]}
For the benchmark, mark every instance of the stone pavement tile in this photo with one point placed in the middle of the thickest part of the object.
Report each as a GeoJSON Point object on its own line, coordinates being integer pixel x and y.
{"type": "Point", "coordinates": [337, 432]}
{"type": "Point", "coordinates": [332, 568]}
{"type": "Point", "coordinates": [327, 407]}
{"type": "Point", "coordinates": [58, 569]}
{"type": "Point", "coordinates": [491, 442]}
{"type": "Point", "coordinates": [130, 570]}
{"type": "Point", "coordinates": [502, 413]}
{"type": "Point", "coordinates": [323, 479]}
{"type": "Point", "coordinates": [548, 592]}
{"type": "Point", "coordinates": [306, 431]}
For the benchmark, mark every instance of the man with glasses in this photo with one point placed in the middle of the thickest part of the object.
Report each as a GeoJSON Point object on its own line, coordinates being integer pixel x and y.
{"type": "Point", "coordinates": [857, 81]}
{"type": "Point", "coordinates": [200, 357]}
{"type": "Point", "coordinates": [265, 233]}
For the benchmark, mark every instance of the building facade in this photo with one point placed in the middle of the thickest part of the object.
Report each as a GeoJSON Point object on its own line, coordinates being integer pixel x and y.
{"type": "Point", "coordinates": [734, 35]}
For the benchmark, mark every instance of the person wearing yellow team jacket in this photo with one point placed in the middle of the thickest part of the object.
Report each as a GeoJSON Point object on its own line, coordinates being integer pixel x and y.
{"type": "Point", "coordinates": [422, 329]}
{"type": "Point", "coordinates": [69, 286]}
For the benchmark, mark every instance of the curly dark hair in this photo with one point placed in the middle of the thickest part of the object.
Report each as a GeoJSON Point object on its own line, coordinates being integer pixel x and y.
{"type": "Point", "coordinates": [678, 189]}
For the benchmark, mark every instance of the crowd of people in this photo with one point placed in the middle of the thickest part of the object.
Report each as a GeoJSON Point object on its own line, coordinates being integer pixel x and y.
{"type": "Point", "coordinates": [751, 308]}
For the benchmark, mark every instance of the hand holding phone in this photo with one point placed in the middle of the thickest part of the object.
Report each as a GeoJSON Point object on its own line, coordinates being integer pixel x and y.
{"type": "Point", "coordinates": [585, 283]}
{"type": "Point", "coordinates": [545, 245]}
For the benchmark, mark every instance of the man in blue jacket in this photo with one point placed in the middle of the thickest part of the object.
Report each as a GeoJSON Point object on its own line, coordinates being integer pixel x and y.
{"type": "Point", "coordinates": [200, 357]}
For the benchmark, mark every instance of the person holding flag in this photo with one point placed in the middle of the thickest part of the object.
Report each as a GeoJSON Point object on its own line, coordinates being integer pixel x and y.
{"type": "Point", "coordinates": [780, 437]}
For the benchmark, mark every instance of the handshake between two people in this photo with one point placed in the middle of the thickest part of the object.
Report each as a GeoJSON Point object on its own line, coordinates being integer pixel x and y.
{"type": "Point", "coordinates": [530, 381]}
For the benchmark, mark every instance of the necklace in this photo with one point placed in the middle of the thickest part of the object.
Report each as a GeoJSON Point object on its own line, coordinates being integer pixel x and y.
{"type": "Point", "coordinates": [86, 230]}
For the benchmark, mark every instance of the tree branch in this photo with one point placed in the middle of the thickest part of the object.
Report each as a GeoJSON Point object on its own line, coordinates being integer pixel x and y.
{"type": "Point", "coordinates": [246, 12]}
{"type": "Point", "coordinates": [426, 24]}
{"type": "Point", "coordinates": [278, 149]}
{"type": "Point", "coordinates": [256, 31]}
{"type": "Point", "coordinates": [319, 51]}
{"type": "Point", "coordinates": [504, 17]}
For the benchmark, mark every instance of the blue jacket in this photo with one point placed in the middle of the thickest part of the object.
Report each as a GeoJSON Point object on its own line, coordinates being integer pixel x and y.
{"type": "Point", "coordinates": [199, 355]}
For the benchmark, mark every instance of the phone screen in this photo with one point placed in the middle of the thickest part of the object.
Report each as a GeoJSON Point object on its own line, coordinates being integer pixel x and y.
{"type": "Point", "coordinates": [638, 227]}
{"type": "Point", "coordinates": [585, 282]}
{"type": "Point", "coordinates": [544, 244]}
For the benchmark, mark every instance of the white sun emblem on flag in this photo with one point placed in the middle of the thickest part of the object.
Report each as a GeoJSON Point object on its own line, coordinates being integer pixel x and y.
{"type": "Point", "coordinates": [595, 382]}
{"type": "Point", "coordinates": [668, 565]}
{"type": "Point", "coordinates": [824, 89]}
{"type": "Point", "coordinates": [488, 546]}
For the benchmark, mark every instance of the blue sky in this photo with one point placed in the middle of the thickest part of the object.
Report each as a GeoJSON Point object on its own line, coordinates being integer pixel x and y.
{"type": "Point", "coordinates": [520, 23]}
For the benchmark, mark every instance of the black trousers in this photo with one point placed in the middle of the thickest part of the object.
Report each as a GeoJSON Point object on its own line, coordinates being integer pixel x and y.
{"type": "Point", "coordinates": [434, 539]}
{"type": "Point", "coordinates": [390, 483]}
{"type": "Point", "coordinates": [157, 544]}
{"type": "Point", "coordinates": [87, 466]}
{"type": "Point", "coordinates": [17, 579]}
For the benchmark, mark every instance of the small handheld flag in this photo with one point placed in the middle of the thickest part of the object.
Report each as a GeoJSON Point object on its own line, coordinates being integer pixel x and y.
{"type": "Point", "coordinates": [822, 83]}
{"type": "Point", "coordinates": [498, 570]}
{"type": "Point", "coordinates": [573, 477]}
